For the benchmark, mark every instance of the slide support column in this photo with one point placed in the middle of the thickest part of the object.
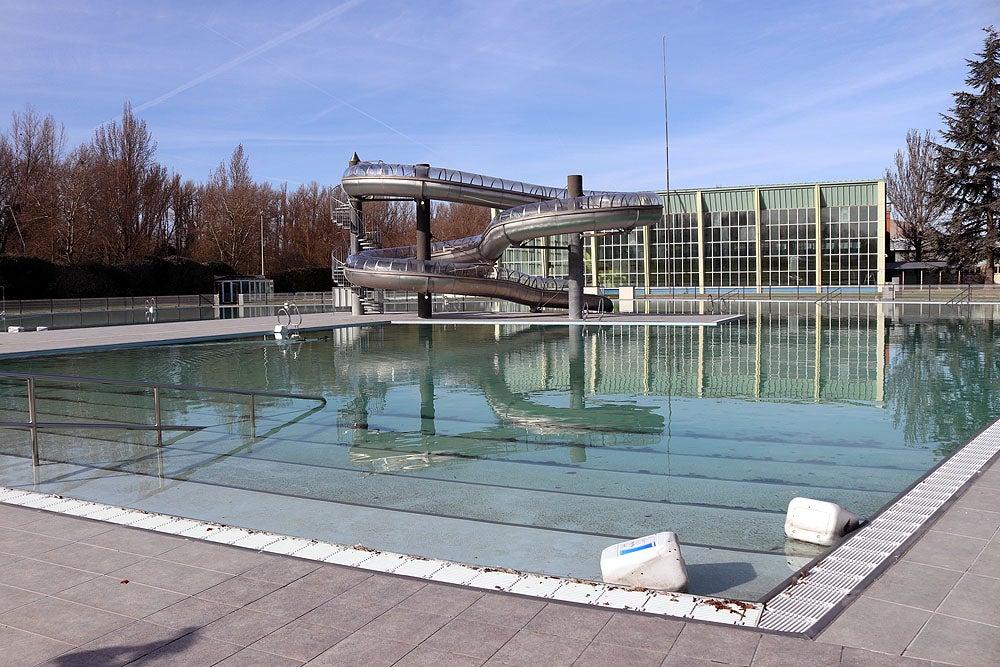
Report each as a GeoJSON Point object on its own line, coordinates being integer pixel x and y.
{"type": "Point", "coordinates": [574, 188]}
{"type": "Point", "coordinates": [423, 242]}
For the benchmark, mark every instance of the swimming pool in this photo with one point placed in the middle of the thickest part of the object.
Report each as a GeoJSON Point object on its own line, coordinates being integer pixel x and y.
{"type": "Point", "coordinates": [533, 447]}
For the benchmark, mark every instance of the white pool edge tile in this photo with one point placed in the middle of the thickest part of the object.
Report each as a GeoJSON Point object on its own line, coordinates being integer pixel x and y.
{"type": "Point", "coordinates": [547, 587]}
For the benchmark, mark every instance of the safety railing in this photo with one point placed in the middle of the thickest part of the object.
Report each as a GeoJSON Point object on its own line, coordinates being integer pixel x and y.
{"type": "Point", "coordinates": [964, 295]}
{"type": "Point", "coordinates": [830, 295]}
{"type": "Point", "coordinates": [33, 426]}
{"type": "Point", "coordinates": [374, 169]}
{"type": "Point", "coordinates": [604, 201]}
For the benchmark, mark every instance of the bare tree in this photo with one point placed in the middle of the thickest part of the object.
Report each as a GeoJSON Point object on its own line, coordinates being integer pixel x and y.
{"type": "Point", "coordinates": [234, 210]}
{"type": "Point", "coordinates": [457, 221]}
{"type": "Point", "coordinates": [396, 221]}
{"type": "Point", "coordinates": [7, 171]}
{"type": "Point", "coordinates": [132, 191]}
{"type": "Point", "coordinates": [30, 162]}
{"type": "Point", "coordinates": [185, 207]}
{"type": "Point", "coordinates": [911, 189]}
{"type": "Point", "coordinates": [308, 234]}
{"type": "Point", "coordinates": [74, 237]}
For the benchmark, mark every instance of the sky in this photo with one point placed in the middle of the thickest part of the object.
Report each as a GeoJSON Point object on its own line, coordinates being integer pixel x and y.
{"type": "Point", "coordinates": [756, 92]}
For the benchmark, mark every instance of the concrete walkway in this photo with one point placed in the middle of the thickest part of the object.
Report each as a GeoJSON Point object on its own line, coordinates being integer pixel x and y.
{"type": "Point", "coordinates": [77, 591]}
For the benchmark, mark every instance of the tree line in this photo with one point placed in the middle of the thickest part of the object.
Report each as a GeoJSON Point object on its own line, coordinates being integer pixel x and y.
{"type": "Point", "coordinates": [109, 201]}
{"type": "Point", "coordinates": [946, 192]}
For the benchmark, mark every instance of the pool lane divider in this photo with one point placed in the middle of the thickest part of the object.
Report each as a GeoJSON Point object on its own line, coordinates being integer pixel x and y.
{"type": "Point", "coordinates": [562, 589]}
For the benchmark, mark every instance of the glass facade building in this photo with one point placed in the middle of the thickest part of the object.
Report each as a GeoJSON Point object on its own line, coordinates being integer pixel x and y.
{"type": "Point", "coordinates": [811, 236]}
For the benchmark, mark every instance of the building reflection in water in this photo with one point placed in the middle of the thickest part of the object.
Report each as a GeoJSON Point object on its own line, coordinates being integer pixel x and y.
{"type": "Point", "coordinates": [549, 386]}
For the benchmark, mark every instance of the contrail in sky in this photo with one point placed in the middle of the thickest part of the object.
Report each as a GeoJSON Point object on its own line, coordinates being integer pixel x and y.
{"type": "Point", "coordinates": [322, 90]}
{"type": "Point", "coordinates": [266, 46]}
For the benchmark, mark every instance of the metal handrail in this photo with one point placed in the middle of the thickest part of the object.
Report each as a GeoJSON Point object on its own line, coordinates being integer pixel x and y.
{"type": "Point", "coordinates": [964, 295]}
{"type": "Point", "coordinates": [830, 295]}
{"type": "Point", "coordinates": [33, 425]}
{"type": "Point", "coordinates": [717, 303]}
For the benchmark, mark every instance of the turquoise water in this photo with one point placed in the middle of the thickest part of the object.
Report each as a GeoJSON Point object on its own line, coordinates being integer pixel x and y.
{"type": "Point", "coordinates": [532, 446]}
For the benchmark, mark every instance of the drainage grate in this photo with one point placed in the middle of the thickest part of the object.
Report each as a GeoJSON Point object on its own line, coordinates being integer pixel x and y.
{"type": "Point", "coordinates": [825, 585]}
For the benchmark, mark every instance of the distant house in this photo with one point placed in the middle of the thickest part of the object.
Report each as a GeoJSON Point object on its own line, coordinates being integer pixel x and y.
{"type": "Point", "coordinates": [920, 273]}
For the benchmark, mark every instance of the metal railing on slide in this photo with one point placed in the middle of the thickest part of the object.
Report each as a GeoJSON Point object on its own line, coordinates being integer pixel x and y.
{"type": "Point", "coordinates": [33, 425]}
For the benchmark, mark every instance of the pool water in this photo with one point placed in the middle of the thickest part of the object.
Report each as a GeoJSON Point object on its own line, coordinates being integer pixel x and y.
{"type": "Point", "coordinates": [531, 447]}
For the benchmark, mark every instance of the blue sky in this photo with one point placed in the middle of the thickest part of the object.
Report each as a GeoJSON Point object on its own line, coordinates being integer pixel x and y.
{"type": "Point", "coordinates": [775, 92]}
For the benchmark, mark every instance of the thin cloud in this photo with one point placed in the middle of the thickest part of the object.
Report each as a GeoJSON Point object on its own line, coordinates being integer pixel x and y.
{"type": "Point", "coordinates": [256, 51]}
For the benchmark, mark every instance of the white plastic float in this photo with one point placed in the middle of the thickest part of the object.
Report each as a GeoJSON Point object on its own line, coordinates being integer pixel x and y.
{"type": "Point", "coordinates": [818, 522]}
{"type": "Point", "coordinates": [653, 561]}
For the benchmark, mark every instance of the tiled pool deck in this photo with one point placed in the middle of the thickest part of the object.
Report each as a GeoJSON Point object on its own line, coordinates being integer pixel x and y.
{"type": "Point", "coordinates": [79, 591]}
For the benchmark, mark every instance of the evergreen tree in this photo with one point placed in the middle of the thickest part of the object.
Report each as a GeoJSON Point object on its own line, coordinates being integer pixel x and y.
{"type": "Point", "coordinates": [968, 164]}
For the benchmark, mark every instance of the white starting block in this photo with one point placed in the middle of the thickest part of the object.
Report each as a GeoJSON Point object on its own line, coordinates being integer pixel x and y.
{"type": "Point", "coordinates": [654, 561]}
{"type": "Point", "coordinates": [818, 522]}
{"type": "Point", "coordinates": [15, 329]}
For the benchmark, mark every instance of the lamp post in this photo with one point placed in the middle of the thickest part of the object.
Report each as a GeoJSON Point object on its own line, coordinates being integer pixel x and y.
{"type": "Point", "coordinates": [262, 244]}
{"type": "Point", "coordinates": [24, 246]}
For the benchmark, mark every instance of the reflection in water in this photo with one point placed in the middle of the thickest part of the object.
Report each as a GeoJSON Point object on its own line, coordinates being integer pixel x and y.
{"type": "Point", "coordinates": [426, 339]}
{"type": "Point", "coordinates": [523, 420]}
{"type": "Point", "coordinates": [602, 431]}
{"type": "Point", "coordinates": [943, 379]}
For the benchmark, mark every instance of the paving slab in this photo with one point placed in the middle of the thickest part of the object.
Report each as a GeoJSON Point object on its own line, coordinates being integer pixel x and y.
{"type": "Point", "coordinates": [957, 641]}
{"type": "Point", "coordinates": [897, 626]}
{"type": "Point", "coordinates": [130, 598]}
{"type": "Point", "coordinates": [299, 640]}
{"type": "Point", "coordinates": [915, 585]}
{"type": "Point", "coordinates": [21, 647]}
{"type": "Point", "coordinates": [716, 643]}
{"type": "Point", "coordinates": [528, 647]}
{"type": "Point", "coordinates": [64, 621]}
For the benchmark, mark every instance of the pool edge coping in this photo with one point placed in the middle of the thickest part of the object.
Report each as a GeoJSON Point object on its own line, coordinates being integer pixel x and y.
{"type": "Point", "coordinates": [688, 607]}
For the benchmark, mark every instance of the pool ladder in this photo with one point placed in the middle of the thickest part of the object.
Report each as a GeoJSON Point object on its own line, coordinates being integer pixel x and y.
{"type": "Point", "coordinates": [33, 425]}
{"type": "Point", "coordinates": [285, 329]}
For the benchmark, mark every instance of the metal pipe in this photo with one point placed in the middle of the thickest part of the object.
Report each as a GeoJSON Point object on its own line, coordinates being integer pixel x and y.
{"type": "Point", "coordinates": [156, 416]}
{"type": "Point", "coordinates": [33, 421]}
{"type": "Point", "coordinates": [162, 385]}
{"type": "Point", "coordinates": [253, 418]}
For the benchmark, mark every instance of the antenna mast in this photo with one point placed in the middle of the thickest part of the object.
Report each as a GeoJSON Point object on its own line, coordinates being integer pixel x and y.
{"type": "Point", "coordinates": [666, 153]}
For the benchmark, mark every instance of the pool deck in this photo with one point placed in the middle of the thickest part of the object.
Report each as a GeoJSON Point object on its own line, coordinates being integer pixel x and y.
{"type": "Point", "coordinates": [79, 591]}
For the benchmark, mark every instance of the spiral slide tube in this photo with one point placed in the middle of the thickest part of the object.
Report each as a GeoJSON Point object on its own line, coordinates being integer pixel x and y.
{"type": "Point", "coordinates": [468, 266]}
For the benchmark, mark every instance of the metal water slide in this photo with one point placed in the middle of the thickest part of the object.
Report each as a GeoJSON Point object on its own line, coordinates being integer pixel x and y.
{"type": "Point", "coordinates": [468, 266]}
